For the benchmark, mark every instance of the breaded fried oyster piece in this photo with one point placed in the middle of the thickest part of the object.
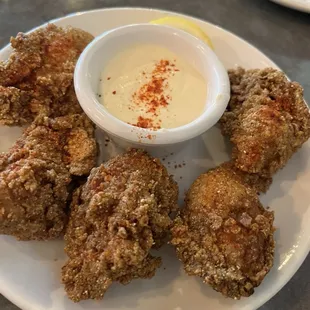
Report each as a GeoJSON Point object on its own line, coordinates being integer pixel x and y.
{"type": "Point", "coordinates": [117, 217]}
{"type": "Point", "coordinates": [224, 235]}
{"type": "Point", "coordinates": [267, 120]}
{"type": "Point", "coordinates": [36, 176]}
{"type": "Point", "coordinates": [39, 72]}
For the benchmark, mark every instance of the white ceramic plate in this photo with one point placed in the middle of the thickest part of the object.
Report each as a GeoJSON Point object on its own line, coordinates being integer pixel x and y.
{"type": "Point", "coordinates": [300, 5]}
{"type": "Point", "coordinates": [30, 271]}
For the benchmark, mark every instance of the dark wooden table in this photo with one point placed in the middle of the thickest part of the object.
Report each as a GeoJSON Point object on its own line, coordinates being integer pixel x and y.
{"type": "Point", "coordinates": [283, 34]}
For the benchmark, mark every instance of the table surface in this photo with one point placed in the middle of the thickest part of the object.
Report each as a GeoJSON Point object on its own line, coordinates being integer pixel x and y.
{"type": "Point", "coordinates": [281, 33]}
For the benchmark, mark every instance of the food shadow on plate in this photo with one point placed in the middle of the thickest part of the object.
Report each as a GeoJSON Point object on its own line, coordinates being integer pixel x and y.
{"type": "Point", "coordinates": [198, 156]}
{"type": "Point", "coordinates": [208, 292]}
{"type": "Point", "coordinates": [280, 198]}
{"type": "Point", "coordinates": [106, 147]}
{"type": "Point", "coordinates": [160, 285]}
{"type": "Point", "coordinates": [43, 251]}
{"type": "Point", "coordinates": [284, 183]}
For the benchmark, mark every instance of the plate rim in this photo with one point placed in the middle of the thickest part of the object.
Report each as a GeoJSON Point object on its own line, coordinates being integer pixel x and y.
{"type": "Point", "coordinates": [296, 263]}
{"type": "Point", "coordinates": [295, 5]}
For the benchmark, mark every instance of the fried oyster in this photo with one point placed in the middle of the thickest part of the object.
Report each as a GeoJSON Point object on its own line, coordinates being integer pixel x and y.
{"type": "Point", "coordinates": [117, 217]}
{"type": "Point", "coordinates": [224, 235]}
{"type": "Point", "coordinates": [36, 174]}
{"type": "Point", "coordinates": [267, 120]}
{"type": "Point", "coordinates": [39, 73]}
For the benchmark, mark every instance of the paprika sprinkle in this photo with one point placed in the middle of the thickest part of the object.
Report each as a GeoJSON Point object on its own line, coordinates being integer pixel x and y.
{"type": "Point", "coordinates": [153, 94]}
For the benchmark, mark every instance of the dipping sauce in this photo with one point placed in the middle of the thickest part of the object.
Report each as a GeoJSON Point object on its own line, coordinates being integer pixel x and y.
{"type": "Point", "coordinates": [151, 87]}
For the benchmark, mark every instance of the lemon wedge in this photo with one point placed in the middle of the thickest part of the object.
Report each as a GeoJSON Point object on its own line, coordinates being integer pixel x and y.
{"type": "Point", "coordinates": [185, 25]}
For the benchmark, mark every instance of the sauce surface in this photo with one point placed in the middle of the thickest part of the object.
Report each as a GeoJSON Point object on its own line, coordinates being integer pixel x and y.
{"type": "Point", "coordinates": [151, 87]}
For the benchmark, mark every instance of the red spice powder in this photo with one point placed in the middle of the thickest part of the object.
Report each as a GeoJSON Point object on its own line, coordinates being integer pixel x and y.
{"type": "Point", "coordinates": [144, 122]}
{"type": "Point", "coordinates": [153, 94]}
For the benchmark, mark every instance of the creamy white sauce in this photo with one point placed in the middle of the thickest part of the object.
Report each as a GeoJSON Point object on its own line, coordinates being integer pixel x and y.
{"type": "Point", "coordinates": [122, 80]}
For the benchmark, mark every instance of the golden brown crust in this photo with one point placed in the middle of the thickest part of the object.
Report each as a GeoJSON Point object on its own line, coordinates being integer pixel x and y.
{"type": "Point", "coordinates": [14, 106]}
{"type": "Point", "coordinates": [41, 69]}
{"type": "Point", "coordinates": [36, 173]}
{"type": "Point", "coordinates": [117, 217]}
{"type": "Point", "coordinates": [267, 120]}
{"type": "Point", "coordinates": [33, 189]}
{"type": "Point", "coordinates": [224, 235]}
{"type": "Point", "coordinates": [258, 183]}
{"type": "Point", "coordinates": [33, 196]}
{"type": "Point", "coordinates": [25, 58]}
{"type": "Point", "coordinates": [78, 147]}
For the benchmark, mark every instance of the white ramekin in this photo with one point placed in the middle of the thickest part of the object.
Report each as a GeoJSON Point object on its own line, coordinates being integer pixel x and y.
{"type": "Point", "coordinates": [98, 53]}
